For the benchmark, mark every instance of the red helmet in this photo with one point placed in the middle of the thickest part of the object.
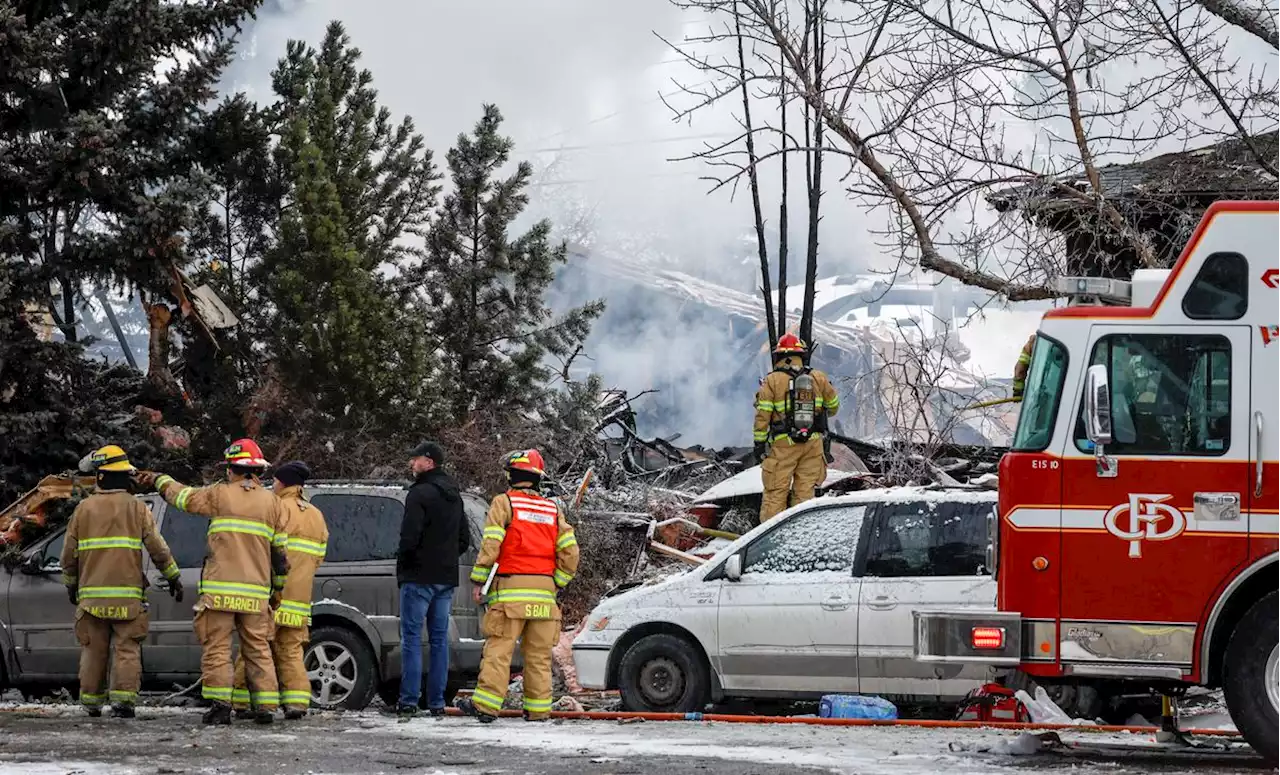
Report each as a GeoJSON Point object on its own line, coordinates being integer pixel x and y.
{"type": "Point", "coordinates": [245, 453]}
{"type": "Point", "coordinates": [790, 344]}
{"type": "Point", "coordinates": [527, 460]}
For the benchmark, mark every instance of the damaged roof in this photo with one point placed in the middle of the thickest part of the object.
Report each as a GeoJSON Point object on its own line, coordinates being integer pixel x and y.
{"type": "Point", "coordinates": [1225, 170]}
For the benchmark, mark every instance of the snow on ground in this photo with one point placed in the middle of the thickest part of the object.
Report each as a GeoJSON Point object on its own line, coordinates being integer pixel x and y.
{"type": "Point", "coordinates": [885, 751]}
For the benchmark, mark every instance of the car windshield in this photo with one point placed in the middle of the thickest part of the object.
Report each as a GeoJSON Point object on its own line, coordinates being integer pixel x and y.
{"type": "Point", "coordinates": [1045, 379]}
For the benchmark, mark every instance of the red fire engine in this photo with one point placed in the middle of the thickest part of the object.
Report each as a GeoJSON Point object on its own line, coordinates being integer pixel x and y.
{"type": "Point", "coordinates": [1135, 546]}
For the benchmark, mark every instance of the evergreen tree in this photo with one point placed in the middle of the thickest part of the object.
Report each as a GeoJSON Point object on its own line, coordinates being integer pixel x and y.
{"type": "Point", "coordinates": [97, 182]}
{"type": "Point", "coordinates": [97, 186]}
{"type": "Point", "coordinates": [320, 199]}
{"type": "Point", "coordinates": [486, 290]}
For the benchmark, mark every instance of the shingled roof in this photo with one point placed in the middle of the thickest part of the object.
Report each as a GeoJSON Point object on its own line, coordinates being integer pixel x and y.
{"type": "Point", "coordinates": [1227, 170]}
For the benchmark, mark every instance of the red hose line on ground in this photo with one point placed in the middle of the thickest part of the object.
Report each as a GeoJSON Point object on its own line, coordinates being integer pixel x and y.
{"type": "Point", "coordinates": [850, 722]}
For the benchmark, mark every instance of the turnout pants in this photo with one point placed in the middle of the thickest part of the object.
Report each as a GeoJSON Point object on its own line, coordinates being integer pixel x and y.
{"type": "Point", "coordinates": [791, 473]}
{"type": "Point", "coordinates": [537, 637]}
{"type": "Point", "coordinates": [214, 629]}
{"type": "Point", "coordinates": [286, 652]}
{"type": "Point", "coordinates": [96, 637]}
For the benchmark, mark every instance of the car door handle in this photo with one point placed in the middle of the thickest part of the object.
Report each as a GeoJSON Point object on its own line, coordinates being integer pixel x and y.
{"type": "Point", "coordinates": [835, 603]}
{"type": "Point", "coordinates": [882, 603]}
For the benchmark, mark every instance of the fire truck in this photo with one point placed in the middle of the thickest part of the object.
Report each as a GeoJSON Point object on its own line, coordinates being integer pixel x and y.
{"type": "Point", "coordinates": [1135, 538]}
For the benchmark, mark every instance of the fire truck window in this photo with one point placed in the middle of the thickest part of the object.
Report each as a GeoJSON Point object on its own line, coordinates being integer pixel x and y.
{"type": "Point", "coordinates": [1170, 394]}
{"type": "Point", "coordinates": [816, 540]}
{"type": "Point", "coordinates": [1221, 289]}
{"type": "Point", "coordinates": [1045, 379]}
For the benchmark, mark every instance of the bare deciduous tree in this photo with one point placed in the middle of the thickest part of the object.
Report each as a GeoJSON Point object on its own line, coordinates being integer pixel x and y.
{"type": "Point", "coordinates": [934, 105]}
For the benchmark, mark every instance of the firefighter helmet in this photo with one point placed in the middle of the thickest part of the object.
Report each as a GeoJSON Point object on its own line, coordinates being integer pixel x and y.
{"type": "Point", "coordinates": [527, 460]}
{"type": "Point", "coordinates": [245, 453]}
{"type": "Point", "coordinates": [111, 458]}
{"type": "Point", "coordinates": [790, 344]}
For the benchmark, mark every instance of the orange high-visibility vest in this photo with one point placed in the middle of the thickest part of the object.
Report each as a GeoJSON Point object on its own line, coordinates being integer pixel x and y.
{"type": "Point", "coordinates": [529, 547]}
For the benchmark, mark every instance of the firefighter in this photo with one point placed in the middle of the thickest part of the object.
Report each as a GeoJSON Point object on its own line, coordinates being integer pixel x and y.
{"type": "Point", "coordinates": [308, 542]}
{"type": "Point", "coordinates": [102, 569]}
{"type": "Point", "coordinates": [793, 405]}
{"type": "Point", "coordinates": [532, 550]}
{"type": "Point", "coordinates": [1020, 370]}
{"type": "Point", "coordinates": [245, 564]}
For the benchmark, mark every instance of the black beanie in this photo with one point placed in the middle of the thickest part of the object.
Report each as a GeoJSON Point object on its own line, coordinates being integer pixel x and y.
{"type": "Point", "coordinates": [295, 473]}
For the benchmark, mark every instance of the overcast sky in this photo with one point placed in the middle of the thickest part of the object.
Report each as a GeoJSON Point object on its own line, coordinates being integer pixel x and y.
{"type": "Point", "coordinates": [579, 83]}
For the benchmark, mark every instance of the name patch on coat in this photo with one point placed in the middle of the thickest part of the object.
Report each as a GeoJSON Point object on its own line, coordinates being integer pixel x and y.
{"type": "Point", "coordinates": [536, 517]}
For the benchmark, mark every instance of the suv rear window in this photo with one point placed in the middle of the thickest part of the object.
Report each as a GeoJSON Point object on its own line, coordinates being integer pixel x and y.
{"type": "Point", "coordinates": [362, 528]}
{"type": "Point", "coordinates": [186, 535]}
{"type": "Point", "coordinates": [928, 538]}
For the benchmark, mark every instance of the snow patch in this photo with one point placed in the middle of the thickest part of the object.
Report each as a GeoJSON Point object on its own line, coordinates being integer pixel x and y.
{"type": "Point", "coordinates": [750, 482]}
{"type": "Point", "coordinates": [883, 751]}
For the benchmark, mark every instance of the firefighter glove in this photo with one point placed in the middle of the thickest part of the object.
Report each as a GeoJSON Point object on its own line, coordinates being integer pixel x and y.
{"type": "Point", "coordinates": [145, 480]}
{"type": "Point", "coordinates": [175, 589]}
{"type": "Point", "coordinates": [760, 449]}
{"type": "Point", "coordinates": [72, 594]}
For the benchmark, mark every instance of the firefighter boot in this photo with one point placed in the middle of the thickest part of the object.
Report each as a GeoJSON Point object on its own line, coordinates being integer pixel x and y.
{"type": "Point", "coordinates": [121, 710]}
{"type": "Point", "coordinates": [294, 714]}
{"type": "Point", "coordinates": [264, 717]}
{"type": "Point", "coordinates": [468, 708]}
{"type": "Point", "coordinates": [218, 713]}
{"type": "Point", "coordinates": [245, 714]}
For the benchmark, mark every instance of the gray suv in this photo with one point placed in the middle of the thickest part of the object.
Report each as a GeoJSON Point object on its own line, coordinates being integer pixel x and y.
{"type": "Point", "coordinates": [355, 628]}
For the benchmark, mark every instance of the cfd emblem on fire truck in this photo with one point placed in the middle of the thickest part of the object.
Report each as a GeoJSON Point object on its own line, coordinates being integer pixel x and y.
{"type": "Point", "coordinates": [1149, 519]}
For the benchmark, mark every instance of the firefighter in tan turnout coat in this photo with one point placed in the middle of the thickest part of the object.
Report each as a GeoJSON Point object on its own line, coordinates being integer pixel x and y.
{"type": "Point", "coordinates": [102, 570]}
{"type": "Point", "coordinates": [291, 607]}
{"type": "Point", "coordinates": [531, 550]}
{"type": "Point", "coordinates": [245, 563]}
{"type": "Point", "coordinates": [792, 407]}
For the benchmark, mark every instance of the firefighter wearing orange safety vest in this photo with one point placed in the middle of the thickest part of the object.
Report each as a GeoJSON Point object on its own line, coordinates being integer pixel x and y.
{"type": "Point", "coordinates": [530, 550]}
{"type": "Point", "coordinates": [792, 407]}
{"type": "Point", "coordinates": [291, 607]}
{"type": "Point", "coordinates": [102, 570]}
{"type": "Point", "coordinates": [246, 561]}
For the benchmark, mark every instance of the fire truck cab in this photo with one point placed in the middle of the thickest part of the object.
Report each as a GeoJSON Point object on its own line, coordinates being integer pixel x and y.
{"type": "Point", "coordinates": [1135, 539]}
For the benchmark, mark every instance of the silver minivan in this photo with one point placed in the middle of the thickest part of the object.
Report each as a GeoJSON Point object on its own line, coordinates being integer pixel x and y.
{"type": "Point", "coordinates": [355, 627]}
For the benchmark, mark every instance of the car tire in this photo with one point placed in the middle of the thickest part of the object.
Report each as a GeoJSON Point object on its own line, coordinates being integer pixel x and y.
{"type": "Point", "coordinates": [342, 669]}
{"type": "Point", "coordinates": [664, 674]}
{"type": "Point", "coordinates": [1249, 669]}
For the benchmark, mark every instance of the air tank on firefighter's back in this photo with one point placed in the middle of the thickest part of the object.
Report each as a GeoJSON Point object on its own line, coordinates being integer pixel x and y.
{"type": "Point", "coordinates": [804, 405]}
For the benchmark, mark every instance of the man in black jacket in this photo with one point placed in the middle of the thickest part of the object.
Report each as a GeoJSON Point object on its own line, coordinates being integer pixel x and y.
{"type": "Point", "coordinates": [433, 535]}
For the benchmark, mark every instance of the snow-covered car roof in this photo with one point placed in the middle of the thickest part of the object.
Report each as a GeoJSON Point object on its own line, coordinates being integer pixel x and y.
{"type": "Point", "coordinates": [907, 494]}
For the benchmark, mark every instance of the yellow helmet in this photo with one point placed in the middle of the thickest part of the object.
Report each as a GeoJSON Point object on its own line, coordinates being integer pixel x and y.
{"type": "Point", "coordinates": [111, 458]}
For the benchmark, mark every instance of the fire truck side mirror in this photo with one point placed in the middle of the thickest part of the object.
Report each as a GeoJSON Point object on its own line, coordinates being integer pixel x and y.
{"type": "Point", "coordinates": [1097, 405]}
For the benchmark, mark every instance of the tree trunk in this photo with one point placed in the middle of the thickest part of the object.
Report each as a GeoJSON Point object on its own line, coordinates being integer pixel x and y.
{"type": "Point", "coordinates": [782, 218]}
{"type": "Point", "coordinates": [752, 176]}
{"type": "Point", "coordinates": [159, 318]}
{"type": "Point", "coordinates": [815, 11]}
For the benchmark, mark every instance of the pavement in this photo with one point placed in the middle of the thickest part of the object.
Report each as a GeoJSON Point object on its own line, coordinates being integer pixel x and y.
{"type": "Point", "coordinates": [60, 740]}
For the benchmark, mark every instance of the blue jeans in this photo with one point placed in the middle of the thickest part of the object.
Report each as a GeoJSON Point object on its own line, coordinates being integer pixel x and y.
{"type": "Point", "coordinates": [418, 602]}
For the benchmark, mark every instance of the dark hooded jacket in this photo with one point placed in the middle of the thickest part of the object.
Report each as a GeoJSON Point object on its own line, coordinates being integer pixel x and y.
{"type": "Point", "coordinates": [434, 532]}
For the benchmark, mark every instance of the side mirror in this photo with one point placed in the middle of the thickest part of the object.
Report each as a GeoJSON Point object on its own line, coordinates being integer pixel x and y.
{"type": "Point", "coordinates": [34, 565]}
{"type": "Point", "coordinates": [1097, 405]}
{"type": "Point", "coordinates": [733, 568]}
